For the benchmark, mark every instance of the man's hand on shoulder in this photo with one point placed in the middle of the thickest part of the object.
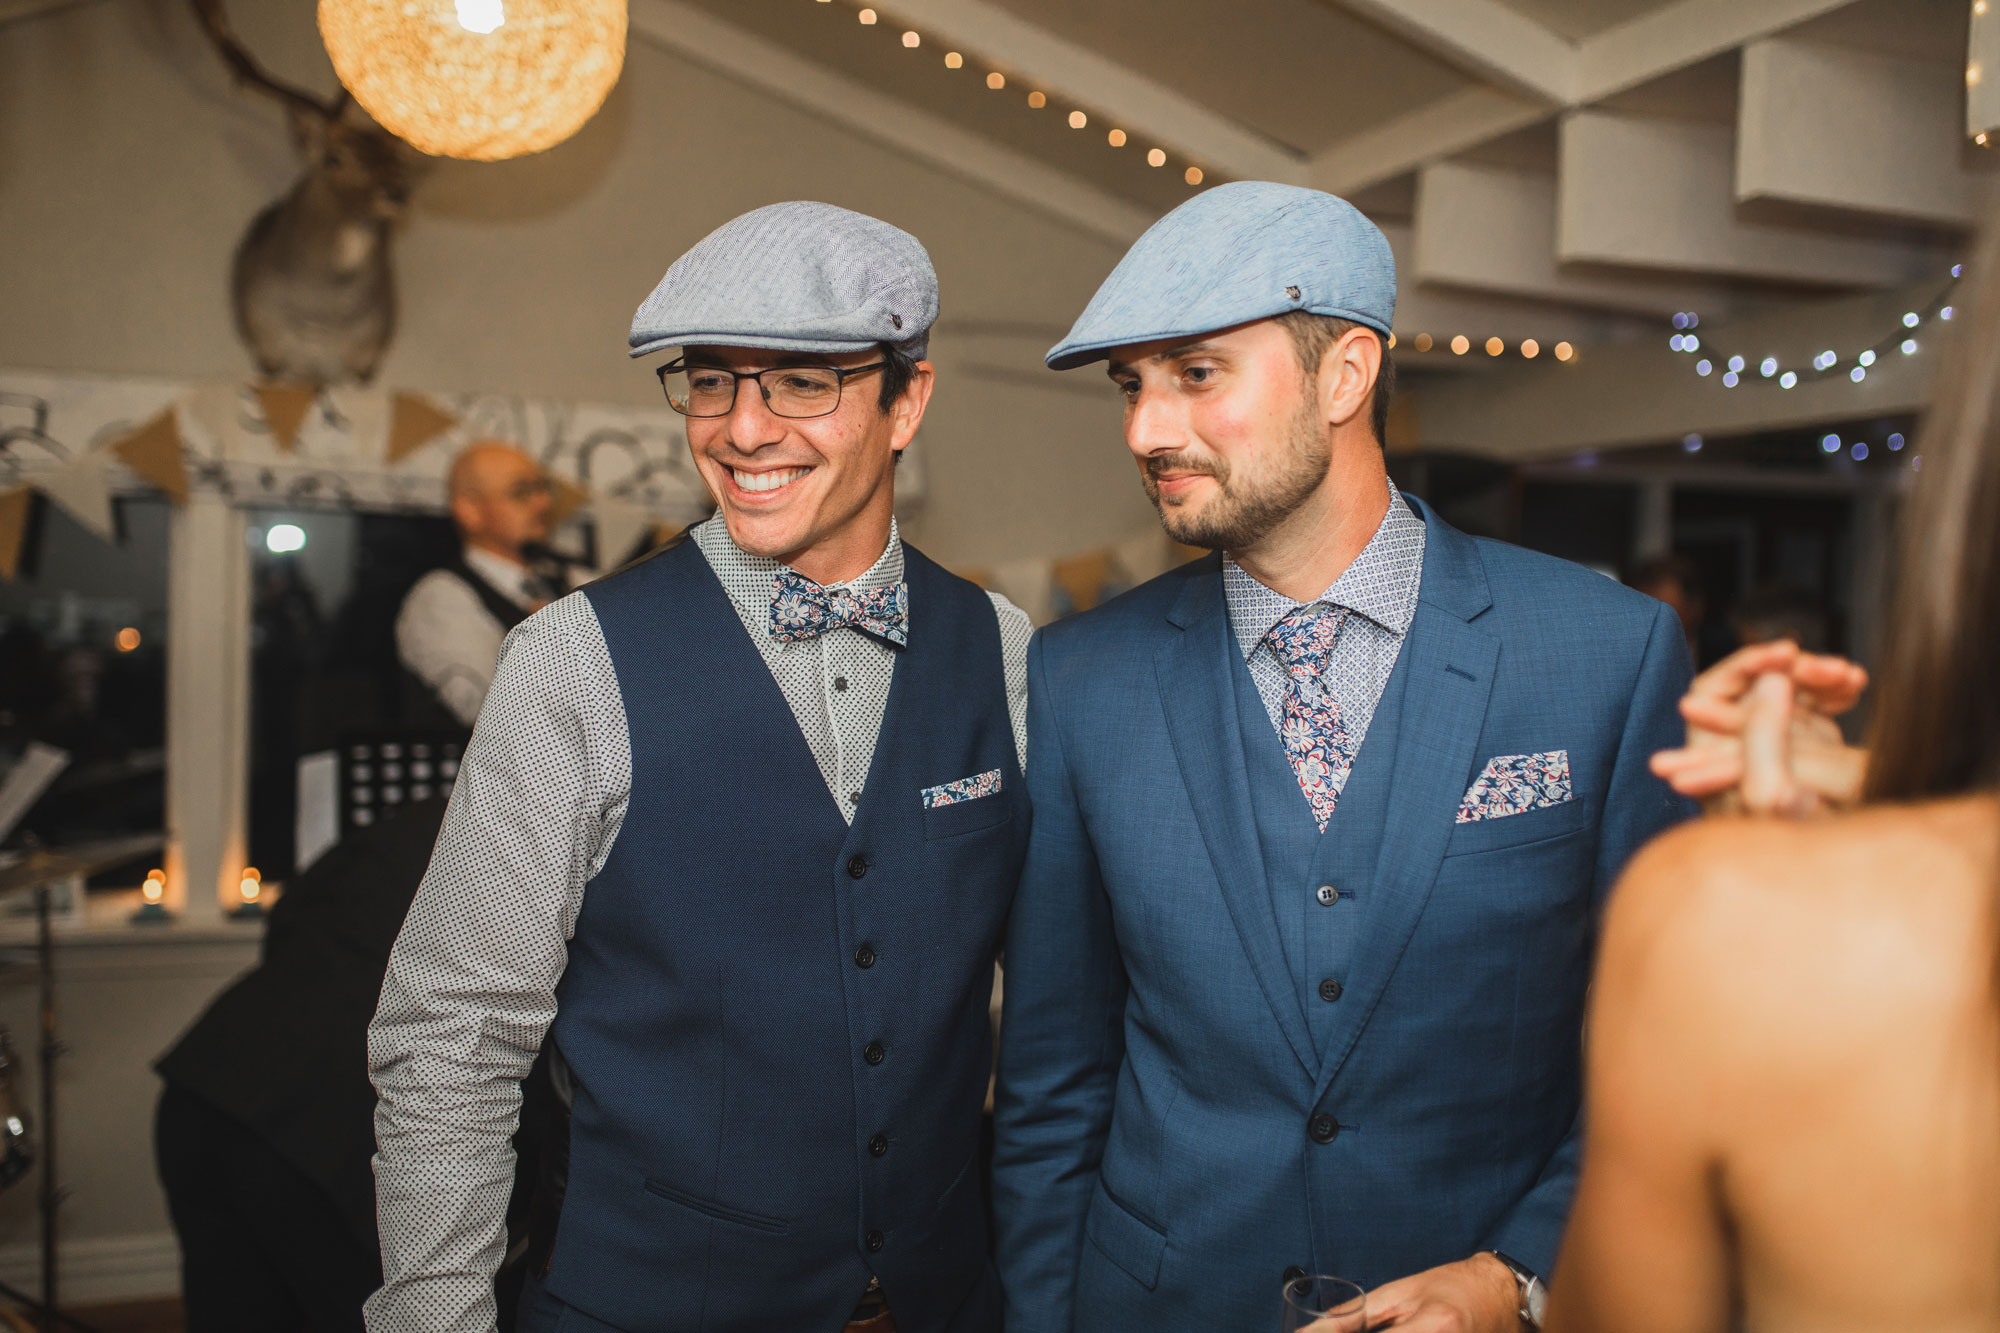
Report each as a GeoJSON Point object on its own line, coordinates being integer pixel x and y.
{"type": "Point", "coordinates": [1476, 1295]}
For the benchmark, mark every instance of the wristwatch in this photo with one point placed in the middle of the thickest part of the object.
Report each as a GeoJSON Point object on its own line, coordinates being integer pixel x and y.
{"type": "Point", "coordinates": [1534, 1292]}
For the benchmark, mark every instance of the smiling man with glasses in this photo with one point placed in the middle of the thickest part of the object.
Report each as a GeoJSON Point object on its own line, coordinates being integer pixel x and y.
{"type": "Point", "coordinates": [731, 848]}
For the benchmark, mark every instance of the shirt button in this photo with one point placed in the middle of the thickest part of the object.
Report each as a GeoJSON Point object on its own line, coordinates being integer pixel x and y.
{"type": "Point", "coordinates": [1329, 990]}
{"type": "Point", "coordinates": [1293, 1274]}
{"type": "Point", "coordinates": [879, 1145]}
{"type": "Point", "coordinates": [873, 1053]}
{"type": "Point", "coordinates": [854, 798]}
{"type": "Point", "coordinates": [865, 957]}
{"type": "Point", "coordinates": [1322, 1128]}
{"type": "Point", "coordinates": [840, 682]}
{"type": "Point", "coordinates": [1327, 895]}
{"type": "Point", "coordinates": [857, 866]}
{"type": "Point", "coordinates": [875, 1242]}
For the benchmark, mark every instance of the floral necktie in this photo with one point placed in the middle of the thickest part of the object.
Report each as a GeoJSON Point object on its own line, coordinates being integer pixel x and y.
{"type": "Point", "coordinates": [1315, 741]}
{"type": "Point", "coordinates": [804, 610]}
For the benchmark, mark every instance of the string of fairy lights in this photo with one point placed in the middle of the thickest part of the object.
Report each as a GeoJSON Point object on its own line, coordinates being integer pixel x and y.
{"type": "Point", "coordinates": [1078, 117]}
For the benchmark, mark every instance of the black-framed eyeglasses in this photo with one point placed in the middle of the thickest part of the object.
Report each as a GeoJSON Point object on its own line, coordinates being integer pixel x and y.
{"type": "Point", "coordinates": [789, 391]}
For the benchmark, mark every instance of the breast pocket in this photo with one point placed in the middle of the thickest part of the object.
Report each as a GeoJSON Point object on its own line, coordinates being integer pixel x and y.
{"type": "Point", "coordinates": [948, 821]}
{"type": "Point", "coordinates": [1520, 830]}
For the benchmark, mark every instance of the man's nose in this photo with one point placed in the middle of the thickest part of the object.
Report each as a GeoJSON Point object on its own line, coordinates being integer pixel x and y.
{"type": "Point", "coordinates": [1155, 423]}
{"type": "Point", "coordinates": [751, 422]}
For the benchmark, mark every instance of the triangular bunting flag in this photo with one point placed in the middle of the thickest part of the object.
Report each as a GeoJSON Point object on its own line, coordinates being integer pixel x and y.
{"type": "Point", "coordinates": [285, 407]}
{"type": "Point", "coordinates": [414, 423]}
{"type": "Point", "coordinates": [565, 498]}
{"type": "Point", "coordinates": [83, 490]}
{"type": "Point", "coordinates": [154, 451]}
{"type": "Point", "coordinates": [14, 508]}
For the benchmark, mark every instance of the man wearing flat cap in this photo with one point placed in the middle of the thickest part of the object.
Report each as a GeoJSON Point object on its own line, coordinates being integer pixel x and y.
{"type": "Point", "coordinates": [731, 847]}
{"type": "Point", "coordinates": [1323, 825]}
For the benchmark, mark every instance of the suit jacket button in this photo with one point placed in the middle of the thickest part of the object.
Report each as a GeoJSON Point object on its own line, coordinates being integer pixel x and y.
{"type": "Point", "coordinates": [875, 1242]}
{"type": "Point", "coordinates": [1323, 1128]}
{"type": "Point", "coordinates": [1329, 990]}
{"type": "Point", "coordinates": [857, 866]}
{"type": "Point", "coordinates": [879, 1145]}
{"type": "Point", "coordinates": [1293, 1274]}
{"type": "Point", "coordinates": [1327, 895]}
{"type": "Point", "coordinates": [865, 957]}
{"type": "Point", "coordinates": [874, 1054]}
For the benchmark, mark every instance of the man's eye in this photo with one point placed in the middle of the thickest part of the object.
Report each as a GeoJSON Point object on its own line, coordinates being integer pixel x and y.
{"type": "Point", "coordinates": [1130, 388]}
{"type": "Point", "coordinates": [707, 381]}
{"type": "Point", "coordinates": [1198, 374]}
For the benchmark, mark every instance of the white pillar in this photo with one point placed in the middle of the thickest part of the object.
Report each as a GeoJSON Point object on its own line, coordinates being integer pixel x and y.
{"type": "Point", "coordinates": [1654, 532]}
{"type": "Point", "coordinates": [208, 706]}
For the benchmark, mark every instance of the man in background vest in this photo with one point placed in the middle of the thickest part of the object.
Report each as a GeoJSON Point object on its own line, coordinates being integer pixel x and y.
{"type": "Point", "coordinates": [734, 840]}
{"type": "Point", "coordinates": [449, 630]}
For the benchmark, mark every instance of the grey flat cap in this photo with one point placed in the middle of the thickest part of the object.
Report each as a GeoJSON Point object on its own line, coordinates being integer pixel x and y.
{"type": "Point", "coordinates": [795, 277]}
{"type": "Point", "coordinates": [1242, 251]}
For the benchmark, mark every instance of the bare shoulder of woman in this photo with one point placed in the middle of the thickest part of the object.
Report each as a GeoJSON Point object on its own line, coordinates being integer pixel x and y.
{"type": "Point", "coordinates": [1756, 948]}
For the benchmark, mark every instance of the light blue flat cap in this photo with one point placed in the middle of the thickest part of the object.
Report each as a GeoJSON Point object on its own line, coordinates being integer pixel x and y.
{"type": "Point", "coordinates": [795, 277]}
{"type": "Point", "coordinates": [1242, 251]}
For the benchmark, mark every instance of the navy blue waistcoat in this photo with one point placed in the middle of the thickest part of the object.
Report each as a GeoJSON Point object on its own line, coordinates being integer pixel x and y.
{"type": "Point", "coordinates": [776, 1023]}
{"type": "Point", "coordinates": [1318, 938]}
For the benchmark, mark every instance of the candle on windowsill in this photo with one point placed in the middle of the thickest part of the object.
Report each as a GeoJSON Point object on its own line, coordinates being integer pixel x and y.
{"type": "Point", "coordinates": [151, 909]}
{"type": "Point", "coordinates": [251, 887]}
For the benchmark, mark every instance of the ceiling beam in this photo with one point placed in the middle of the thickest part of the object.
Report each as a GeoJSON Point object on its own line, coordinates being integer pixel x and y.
{"type": "Point", "coordinates": [1486, 38]}
{"type": "Point", "coordinates": [1081, 76]}
{"type": "Point", "coordinates": [12, 10]}
{"type": "Point", "coordinates": [703, 39]}
{"type": "Point", "coordinates": [1445, 127]}
{"type": "Point", "coordinates": [1684, 33]}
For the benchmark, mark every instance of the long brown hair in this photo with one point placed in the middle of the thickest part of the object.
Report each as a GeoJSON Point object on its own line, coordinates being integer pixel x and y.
{"type": "Point", "coordinates": [1937, 720]}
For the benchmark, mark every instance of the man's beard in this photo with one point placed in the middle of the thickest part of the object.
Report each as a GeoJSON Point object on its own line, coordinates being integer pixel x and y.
{"type": "Point", "coordinates": [1245, 509]}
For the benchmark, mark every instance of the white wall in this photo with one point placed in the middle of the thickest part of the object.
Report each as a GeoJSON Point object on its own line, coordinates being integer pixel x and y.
{"type": "Point", "coordinates": [129, 167]}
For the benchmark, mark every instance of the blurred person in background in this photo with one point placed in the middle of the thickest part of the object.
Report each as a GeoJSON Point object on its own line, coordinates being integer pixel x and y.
{"type": "Point", "coordinates": [449, 630]}
{"type": "Point", "coordinates": [1795, 1039]}
{"type": "Point", "coordinates": [1773, 611]}
{"type": "Point", "coordinates": [1677, 581]}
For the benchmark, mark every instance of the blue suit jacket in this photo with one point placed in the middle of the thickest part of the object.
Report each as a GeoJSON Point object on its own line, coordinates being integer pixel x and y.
{"type": "Point", "coordinates": [1158, 1074]}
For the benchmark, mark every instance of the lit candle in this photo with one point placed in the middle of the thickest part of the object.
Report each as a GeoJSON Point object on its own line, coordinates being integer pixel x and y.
{"type": "Point", "coordinates": [251, 887]}
{"type": "Point", "coordinates": [151, 909]}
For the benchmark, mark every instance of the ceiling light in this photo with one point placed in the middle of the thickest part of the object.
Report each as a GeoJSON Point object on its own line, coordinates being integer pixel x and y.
{"type": "Point", "coordinates": [952, 60]}
{"type": "Point", "coordinates": [1038, 100]}
{"type": "Point", "coordinates": [1155, 158]}
{"type": "Point", "coordinates": [1192, 175]}
{"type": "Point", "coordinates": [1077, 120]}
{"type": "Point", "coordinates": [1564, 351]}
{"type": "Point", "coordinates": [1531, 349]}
{"type": "Point", "coordinates": [1460, 345]}
{"type": "Point", "coordinates": [1116, 138]}
{"type": "Point", "coordinates": [1423, 342]}
{"type": "Point", "coordinates": [867, 16]}
{"type": "Point", "coordinates": [1494, 347]}
{"type": "Point", "coordinates": [996, 80]}
{"type": "Point", "coordinates": [910, 39]}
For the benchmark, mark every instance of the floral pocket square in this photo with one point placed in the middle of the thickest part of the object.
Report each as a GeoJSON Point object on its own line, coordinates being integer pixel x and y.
{"type": "Point", "coordinates": [965, 789]}
{"type": "Point", "coordinates": [1514, 784]}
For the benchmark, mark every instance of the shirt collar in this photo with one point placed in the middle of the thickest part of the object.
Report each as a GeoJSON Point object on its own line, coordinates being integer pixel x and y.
{"type": "Point", "coordinates": [752, 580]}
{"type": "Point", "coordinates": [509, 578]}
{"type": "Point", "coordinates": [1381, 584]}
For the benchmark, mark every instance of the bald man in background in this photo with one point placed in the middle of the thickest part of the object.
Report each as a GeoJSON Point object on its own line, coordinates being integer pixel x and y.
{"type": "Point", "coordinates": [449, 630]}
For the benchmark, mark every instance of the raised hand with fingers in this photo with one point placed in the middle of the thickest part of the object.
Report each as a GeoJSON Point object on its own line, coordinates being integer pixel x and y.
{"type": "Point", "coordinates": [1761, 734]}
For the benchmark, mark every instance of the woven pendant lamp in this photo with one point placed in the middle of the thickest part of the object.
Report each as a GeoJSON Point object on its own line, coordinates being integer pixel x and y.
{"type": "Point", "coordinates": [477, 79]}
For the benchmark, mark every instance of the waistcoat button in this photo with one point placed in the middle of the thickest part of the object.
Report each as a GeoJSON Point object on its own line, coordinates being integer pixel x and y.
{"type": "Point", "coordinates": [1327, 895]}
{"type": "Point", "coordinates": [1293, 1274]}
{"type": "Point", "coordinates": [1323, 1128]}
{"type": "Point", "coordinates": [865, 957]}
{"type": "Point", "coordinates": [878, 1145]}
{"type": "Point", "coordinates": [873, 1053]}
{"type": "Point", "coordinates": [874, 1242]}
{"type": "Point", "coordinates": [857, 866]}
{"type": "Point", "coordinates": [1329, 990]}
{"type": "Point", "coordinates": [840, 682]}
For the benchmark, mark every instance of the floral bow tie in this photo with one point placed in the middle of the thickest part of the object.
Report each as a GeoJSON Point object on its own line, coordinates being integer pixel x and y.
{"type": "Point", "coordinates": [804, 610]}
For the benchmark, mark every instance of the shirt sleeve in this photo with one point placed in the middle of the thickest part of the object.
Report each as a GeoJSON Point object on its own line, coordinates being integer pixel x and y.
{"type": "Point", "coordinates": [470, 989]}
{"type": "Point", "coordinates": [1015, 631]}
{"type": "Point", "coordinates": [449, 640]}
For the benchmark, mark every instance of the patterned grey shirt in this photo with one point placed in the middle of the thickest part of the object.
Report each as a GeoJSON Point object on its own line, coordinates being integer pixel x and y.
{"type": "Point", "coordinates": [1380, 587]}
{"type": "Point", "coordinates": [541, 794]}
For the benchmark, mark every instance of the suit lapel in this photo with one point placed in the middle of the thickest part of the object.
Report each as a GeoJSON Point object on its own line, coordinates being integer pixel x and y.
{"type": "Point", "coordinates": [1449, 664]}
{"type": "Point", "coordinates": [1200, 702]}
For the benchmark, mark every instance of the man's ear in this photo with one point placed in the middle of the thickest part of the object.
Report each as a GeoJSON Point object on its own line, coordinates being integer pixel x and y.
{"type": "Point", "coordinates": [907, 412]}
{"type": "Point", "coordinates": [1347, 374]}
